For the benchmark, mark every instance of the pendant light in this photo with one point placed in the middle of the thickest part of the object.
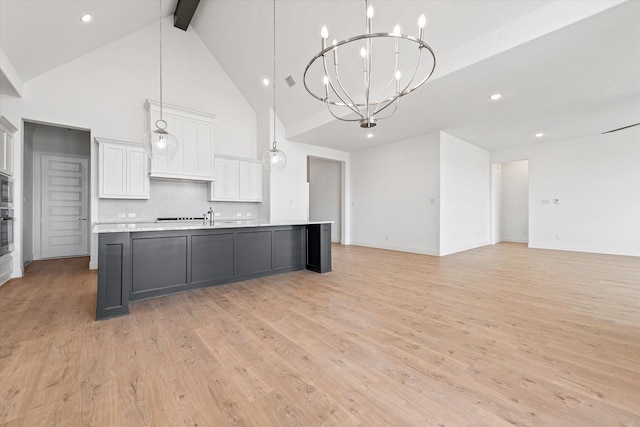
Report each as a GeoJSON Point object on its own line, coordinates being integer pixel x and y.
{"type": "Point", "coordinates": [159, 143]}
{"type": "Point", "coordinates": [274, 160]}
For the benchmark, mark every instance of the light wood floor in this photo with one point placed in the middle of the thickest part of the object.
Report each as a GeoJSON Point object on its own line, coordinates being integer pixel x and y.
{"type": "Point", "coordinates": [498, 336]}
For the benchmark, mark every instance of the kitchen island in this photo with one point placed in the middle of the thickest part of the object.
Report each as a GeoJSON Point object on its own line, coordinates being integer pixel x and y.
{"type": "Point", "coordinates": [147, 260]}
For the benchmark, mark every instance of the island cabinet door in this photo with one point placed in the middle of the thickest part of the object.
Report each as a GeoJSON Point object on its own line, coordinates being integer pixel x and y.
{"type": "Point", "coordinates": [114, 275]}
{"type": "Point", "coordinates": [159, 264]}
{"type": "Point", "coordinates": [212, 257]}
{"type": "Point", "coordinates": [288, 248]}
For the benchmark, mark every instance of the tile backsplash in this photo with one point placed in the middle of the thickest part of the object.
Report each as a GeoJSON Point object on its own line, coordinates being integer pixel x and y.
{"type": "Point", "coordinates": [172, 199]}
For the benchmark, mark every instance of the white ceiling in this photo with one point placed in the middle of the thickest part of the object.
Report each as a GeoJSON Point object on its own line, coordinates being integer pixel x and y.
{"type": "Point", "coordinates": [565, 68]}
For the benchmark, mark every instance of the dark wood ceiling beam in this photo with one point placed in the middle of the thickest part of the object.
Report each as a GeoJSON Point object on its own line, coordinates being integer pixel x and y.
{"type": "Point", "coordinates": [185, 9]}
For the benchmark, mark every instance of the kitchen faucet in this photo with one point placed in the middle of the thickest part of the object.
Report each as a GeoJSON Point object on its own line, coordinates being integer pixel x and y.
{"type": "Point", "coordinates": [211, 214]}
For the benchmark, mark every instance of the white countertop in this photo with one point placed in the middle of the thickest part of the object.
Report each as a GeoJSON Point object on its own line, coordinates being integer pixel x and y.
{"type": "Point", "coordinates": [194, 225]}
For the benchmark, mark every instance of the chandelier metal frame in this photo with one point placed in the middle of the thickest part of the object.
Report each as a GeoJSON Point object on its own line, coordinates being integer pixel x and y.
{"type": "Point", "coordinates": [367, 110]}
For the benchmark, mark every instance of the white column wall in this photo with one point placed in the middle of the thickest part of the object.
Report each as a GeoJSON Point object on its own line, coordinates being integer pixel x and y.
{"type": "Point", "coordinates": [465, 209]}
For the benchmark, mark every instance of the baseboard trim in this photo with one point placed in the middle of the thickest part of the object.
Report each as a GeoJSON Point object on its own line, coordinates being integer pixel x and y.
{"type": "Point", "coordinates": [570, 248]}
{"type": "Point", "coordinates": [429, 252]}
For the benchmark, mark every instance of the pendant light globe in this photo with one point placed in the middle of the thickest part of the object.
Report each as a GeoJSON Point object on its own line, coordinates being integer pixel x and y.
{"type": "Point", "coordinates": [274, 160]}
{"type": "Point", "coordinates": [160, 144]}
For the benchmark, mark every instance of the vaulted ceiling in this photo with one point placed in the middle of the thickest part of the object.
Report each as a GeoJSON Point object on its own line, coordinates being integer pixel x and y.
{"type": "Point", "coordinates": [564, 68]}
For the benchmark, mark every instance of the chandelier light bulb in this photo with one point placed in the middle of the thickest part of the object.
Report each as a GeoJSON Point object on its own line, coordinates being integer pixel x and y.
{"type": "Point", "coordinates": [86, 17]}
{"type": "Point", "coordinates": [370, 12]}
{"type": "Point", "coordinates": [334, 42]}
{"type": "Point", "coordinates": [363, 52]}
{"type": "Point", "coordinates": [396, 29]}
{"type": "Point", "coordinates": [398, 75]}
{"type": "Point", "coordinates": [422, 21]}
{"type": "Point", "coordinates": [325, 80]}
{"type": "Point", "coordinates": [324, 33]}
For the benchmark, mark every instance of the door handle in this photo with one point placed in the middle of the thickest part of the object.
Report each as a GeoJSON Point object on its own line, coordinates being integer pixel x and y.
{"type": "Point", "coordinates": [82, 219]}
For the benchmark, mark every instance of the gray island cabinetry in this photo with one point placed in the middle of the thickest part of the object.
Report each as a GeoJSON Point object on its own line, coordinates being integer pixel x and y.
{"type": "Point", "coordinates": [140, 261]}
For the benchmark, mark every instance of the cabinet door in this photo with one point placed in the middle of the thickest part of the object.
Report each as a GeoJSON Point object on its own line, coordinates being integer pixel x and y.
{"type": "Point", "coordinates": [245, 181]}
{"type": "Point", "coordinates": [8, 153]}
{"type": "Point", "coordinates": [233, 179]}
{"type": "Point", "coordinates": [205, 149]}
{"type": "Point", "coordinates": [112, 171]}
{"type": "Point", "coordinates": [3, 154]}
{"type": "Point", "coordinates": [137, 173]}
{"type": "Point", "coordinates": [256, 182]}
{"type": "Point", "coordinates": [220, 184]}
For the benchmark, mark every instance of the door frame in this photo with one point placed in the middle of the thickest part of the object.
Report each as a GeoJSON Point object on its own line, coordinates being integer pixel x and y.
{"type": "Point", "coordinates": [37, 200]}
{"type": "Point", "coordinates": [342, 195]}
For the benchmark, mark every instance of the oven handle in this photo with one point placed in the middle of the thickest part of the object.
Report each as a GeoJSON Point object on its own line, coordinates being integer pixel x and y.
{"type": "Point", "coordinates": [6, 218]}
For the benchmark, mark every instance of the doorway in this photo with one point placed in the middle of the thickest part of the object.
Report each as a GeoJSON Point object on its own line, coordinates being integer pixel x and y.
{"type": "Point", "coordinates": [325, 193]}
{"type": "Point", "coordinates": [510, 202]}
{"type": "Point", "coordinates": [56, 191]}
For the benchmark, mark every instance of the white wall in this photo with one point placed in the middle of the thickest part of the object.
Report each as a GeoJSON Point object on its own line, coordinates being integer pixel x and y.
{"type": "Point", "coordinates": [325, 193]}
{"type": "Point", "coordinates": [105, 90]}
{"type": "Point", "coordinates": [496, 203]}
{"type": "Point", "coordinates": [395, 194]}
{"type": "Point", "coordinates": [514, 217]}
{"type": "Point", "coordinates": [596, 180]}
{"type": "Point", "coordinates": [464, 195]}
{"type": "Point", "coordinates": [289, 189]}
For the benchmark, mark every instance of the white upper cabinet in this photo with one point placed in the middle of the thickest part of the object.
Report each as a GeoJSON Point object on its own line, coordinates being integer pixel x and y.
{"type": "Point", "coordinates": [123, 170]}
{"type": "Point", "coordinates": [194, 160]}
{"type": "Point", "coordinates": [237, 180]}
{"type": "Point", "coordinates": [6, 146]}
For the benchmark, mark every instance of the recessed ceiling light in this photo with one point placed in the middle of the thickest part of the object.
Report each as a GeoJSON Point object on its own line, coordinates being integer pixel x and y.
{"type": "Point", "coordinates": [539, 135]}
{"type": "Point", "coordinates": [86, 17]}
{"type": "Point", "coordinates": [369, 135]}
{"type": "Point", "coordinates": [495, 97]}
{"type": "Point", "coordinates": [265, 81]}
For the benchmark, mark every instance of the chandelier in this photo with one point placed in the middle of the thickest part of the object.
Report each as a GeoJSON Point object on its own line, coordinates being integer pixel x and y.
{"type": "Point", "coordinates": [374, 95]}
{"type": "Point", "coordinates": [159, 144]}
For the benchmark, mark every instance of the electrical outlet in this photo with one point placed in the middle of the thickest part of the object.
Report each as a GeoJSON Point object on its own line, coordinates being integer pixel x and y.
{"type": "Point", "coordinates": [238, 213]}
{"type": "Point", "coordinates": [121, 215]}
{"type": "Point", "coordinates": [557, 237]}
{"type": "Point", "coordinates": [131, 214]}
{"type": "Point", "coordinates": [216, 214]}
{"type": "Point", "coordinates": [248, 213]}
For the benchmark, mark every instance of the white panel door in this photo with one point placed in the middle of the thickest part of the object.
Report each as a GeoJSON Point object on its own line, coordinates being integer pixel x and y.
{"type": "Point", "coordinates": [256, 182]}
{"type": "Point", "coordinates": [137, 173]}
{"type": "Point", "coordinates": [233, 179]}
{"type": "Point", "coordinates": [114, 164]}
{"type": "Point", "coordinates": [220, 184]}
{"type": "Point", "coordinates": [64, 206]}
{"type": "Point", "coordinates": [245, 181]}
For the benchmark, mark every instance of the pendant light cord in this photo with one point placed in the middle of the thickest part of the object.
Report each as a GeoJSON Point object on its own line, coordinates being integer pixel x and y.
{"type": "Point", "coordinates": [160, 13]}
{"type": "Point", "coordinates": [274, 75]}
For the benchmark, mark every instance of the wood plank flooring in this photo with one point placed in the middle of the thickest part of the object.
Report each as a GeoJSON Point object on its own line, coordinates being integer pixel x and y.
{"type": "Point", "coordinates": [497, 336]}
